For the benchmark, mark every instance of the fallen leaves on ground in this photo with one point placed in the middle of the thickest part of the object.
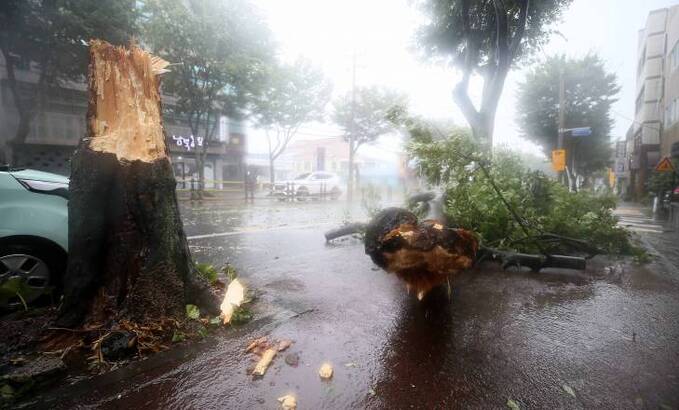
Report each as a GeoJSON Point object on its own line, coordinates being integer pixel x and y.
{"type": "Point", "coordinates": [192, 312]}
{"type": "Point", "coordinates": [513, 405]}
{"type": "Point", "coordinates": [568, 390]}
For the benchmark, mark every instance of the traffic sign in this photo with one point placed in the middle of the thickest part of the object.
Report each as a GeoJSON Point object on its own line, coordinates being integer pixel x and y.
{"type": "Point", "coordinates": [559, 160]}
{"type": "Point", "coordinates": [665, 165]}
{"type": "Point", "coordinates": [581, 132]}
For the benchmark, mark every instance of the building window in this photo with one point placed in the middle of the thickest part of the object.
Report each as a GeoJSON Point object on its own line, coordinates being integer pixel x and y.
{"type": "Point", "coordinates": [640, 100]}
{"type": "Point", "coordinates": [641, 63]}
{"type": "Point", "coordinates": [674, 56]}
{"type": "Point", "coordinates": [672, 113]}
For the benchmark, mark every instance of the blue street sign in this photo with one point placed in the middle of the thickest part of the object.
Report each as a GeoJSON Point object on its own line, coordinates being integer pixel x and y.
{"type": "Point", "coordinates": [581, 132]}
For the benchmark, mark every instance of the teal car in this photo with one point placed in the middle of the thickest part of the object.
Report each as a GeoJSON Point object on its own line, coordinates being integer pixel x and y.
{"type": "Point", "coordinates": [33, 234]}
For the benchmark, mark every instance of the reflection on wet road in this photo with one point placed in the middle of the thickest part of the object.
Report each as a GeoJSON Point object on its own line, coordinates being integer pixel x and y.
{"type": "Point", "coordinates": [608, 335]}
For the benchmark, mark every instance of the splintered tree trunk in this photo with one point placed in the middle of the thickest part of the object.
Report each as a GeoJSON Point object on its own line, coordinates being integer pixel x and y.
{"type": "Point", "coordinates": [128, 254]}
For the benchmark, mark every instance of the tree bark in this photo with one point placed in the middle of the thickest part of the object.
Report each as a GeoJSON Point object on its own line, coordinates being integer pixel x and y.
{"type": "Point", "coordinates": [128, 254]}
{"type": "Point", "coordinates": [350, 181]}
{"type": "Point", "coordinates": [482, 121]}
{"type": "Point", "coordinates": [272, 172]}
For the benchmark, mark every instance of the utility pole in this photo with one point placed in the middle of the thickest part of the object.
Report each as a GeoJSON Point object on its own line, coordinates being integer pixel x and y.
{"type": "Point", "coordinates": [561, 125]}
{"type": "Point", "coordinates": [352, 138]}
{"type": "Point", "coordinates": [562, 98]}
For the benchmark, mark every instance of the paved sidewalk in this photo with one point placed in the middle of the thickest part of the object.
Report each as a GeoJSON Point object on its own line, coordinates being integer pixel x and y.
{"type": "Point", "coordinates": [655, 233]}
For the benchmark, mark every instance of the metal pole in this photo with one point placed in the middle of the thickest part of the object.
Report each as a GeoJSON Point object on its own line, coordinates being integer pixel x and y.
{"type": "Point", "coordinates": [562, 98]}
{"type": "Point", "coordinates": [350, 183]}
{"type": "Point", "coordinates": [561, 125]}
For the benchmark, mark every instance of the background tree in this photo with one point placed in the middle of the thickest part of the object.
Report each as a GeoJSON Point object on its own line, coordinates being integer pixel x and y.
{"type": "Point", "coordinates": [485, 38]}
{"type": "Point", "coordinates": [364, 116]}
{"type": "Point", "coordinates": [221, 52]}
{"type": "Point", "coordinates": [51, 37]}
{"type": "Point", "coordinates": [589, 94]}
{"type": "Point", "coordinates": [297, 93]}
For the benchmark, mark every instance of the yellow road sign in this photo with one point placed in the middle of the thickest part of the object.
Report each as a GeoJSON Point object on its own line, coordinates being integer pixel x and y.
{"type": "Point", "coordinates": [665, 165]}
{"type": "Point", "coordinates": [559, 160]}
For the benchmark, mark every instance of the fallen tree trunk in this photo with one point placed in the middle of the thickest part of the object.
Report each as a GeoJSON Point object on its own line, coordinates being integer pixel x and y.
{"type": "Point", "coordinates": [428, 253]}
{"type": "Point", "coordinates": [348, 229]}
{"type": "Point", "coordinates": [128, 254]}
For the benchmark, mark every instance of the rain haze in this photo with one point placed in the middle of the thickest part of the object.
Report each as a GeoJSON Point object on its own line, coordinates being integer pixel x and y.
{"type": "Point", "coordinates": [381, 32]}
{"type": "Point", "coordinates": [354, 204]}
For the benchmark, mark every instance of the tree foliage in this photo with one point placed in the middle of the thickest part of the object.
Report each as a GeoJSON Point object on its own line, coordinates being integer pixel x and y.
{"type": "Point", "coordinates": [51, 37]}
{"type": "Point", "coordinates": [454, 162]}
{"type": "Point", "coordinates": [485, 37]}
{"type": "Point", "coordinates": [221, 52]}
{"type": "Point", "coordinates": [365, 114]}
{"type": "Point", "coordinates": [589, 94]}
{"type": "Point", "coordinates": [296, 94]}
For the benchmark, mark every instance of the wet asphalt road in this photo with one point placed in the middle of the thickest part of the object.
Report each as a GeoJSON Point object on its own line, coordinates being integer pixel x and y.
{"type": "Point", "coordinates": [609, 335]}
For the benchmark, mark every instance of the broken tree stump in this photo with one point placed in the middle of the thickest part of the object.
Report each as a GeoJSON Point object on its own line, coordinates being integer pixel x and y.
{"type": "Point", "coordinates": [128, 254]}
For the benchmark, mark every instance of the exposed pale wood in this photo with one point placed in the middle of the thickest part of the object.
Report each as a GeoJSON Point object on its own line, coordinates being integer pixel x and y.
{"type": "Point", "coordinates": [264, 362]}
{"type": "Point", "coordinates": [127, 121]}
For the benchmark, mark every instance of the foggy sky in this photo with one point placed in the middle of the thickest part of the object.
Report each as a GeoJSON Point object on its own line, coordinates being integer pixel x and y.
{"type": "Point", "coordinates": [381, 32]}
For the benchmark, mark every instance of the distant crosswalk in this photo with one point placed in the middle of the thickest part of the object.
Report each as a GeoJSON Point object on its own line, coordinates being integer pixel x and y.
{"type": "Point", "coordinates": [635, 219]}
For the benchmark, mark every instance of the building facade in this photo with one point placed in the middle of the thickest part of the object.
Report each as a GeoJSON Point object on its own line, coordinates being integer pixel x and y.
{"type": "Point", "coordinates": [57, 128]}
{"type": "Point", "coordinates": [669, 144]}
{"type": "Point", "coordinates": [372, 166]}
{"type": "Point", "coordinates": [654, 133]}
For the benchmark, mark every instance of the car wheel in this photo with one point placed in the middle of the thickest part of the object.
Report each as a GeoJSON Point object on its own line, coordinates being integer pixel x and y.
{"type": "Point", "coordinates": [302, 194]}
{"type": "Point", "coordinates": [27, 273]}
{"type": "Point", "coordinates": [335, 193]}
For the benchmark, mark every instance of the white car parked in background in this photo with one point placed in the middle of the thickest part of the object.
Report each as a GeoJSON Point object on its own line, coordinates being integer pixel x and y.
{"type": "Point", "coordinates": [310, 184]}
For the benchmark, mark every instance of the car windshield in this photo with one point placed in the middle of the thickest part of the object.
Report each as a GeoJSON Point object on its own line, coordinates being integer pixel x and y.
{"type": "Point", "coordinates": [303, 176]}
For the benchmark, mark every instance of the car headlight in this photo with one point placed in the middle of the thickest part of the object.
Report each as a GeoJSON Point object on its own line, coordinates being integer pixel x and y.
{"type": "Point", "coordinates": [44, 187]}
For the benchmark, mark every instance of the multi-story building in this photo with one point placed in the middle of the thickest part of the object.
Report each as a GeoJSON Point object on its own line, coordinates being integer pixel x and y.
{"type": "Point", "coordinates": [655, 133]}
{"type": "Point", "coordinates": [57, 128]}
{"type": "Point", "coordinates": [669, 143]}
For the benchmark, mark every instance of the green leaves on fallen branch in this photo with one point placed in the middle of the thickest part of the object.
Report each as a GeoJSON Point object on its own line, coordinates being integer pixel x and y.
{"type": "Point", "coordinates": [456, 163]}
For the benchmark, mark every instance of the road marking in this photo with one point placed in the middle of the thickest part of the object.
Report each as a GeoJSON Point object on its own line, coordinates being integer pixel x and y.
{"type": "Point", "coordinates": [638, 222]}
{"type": "Point", "coordinates": [256, 230]}
{"type": "Point", "coordinates": [637, 229]}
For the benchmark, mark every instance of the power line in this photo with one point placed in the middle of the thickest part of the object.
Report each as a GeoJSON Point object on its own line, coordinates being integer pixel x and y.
{"type": "Point", "coordinates": [635, 121]}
